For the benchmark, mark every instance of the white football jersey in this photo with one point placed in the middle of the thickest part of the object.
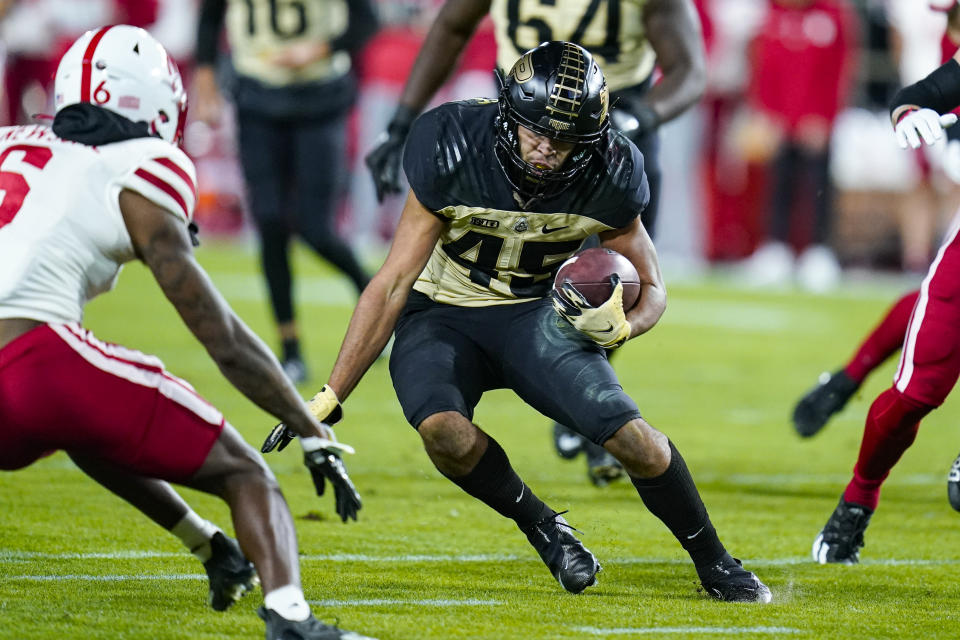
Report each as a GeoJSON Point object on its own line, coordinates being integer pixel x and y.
{"type": "Point", "coordinates": [62, 236]}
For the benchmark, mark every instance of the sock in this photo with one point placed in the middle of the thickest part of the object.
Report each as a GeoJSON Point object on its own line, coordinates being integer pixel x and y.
{"type": "Point", "coordinates": [288, 602]}
{"type": "Point", "coordinates": [892, 424]}
{"type": "Point", "coordinates": [195, 533]}
{"type": "Point", "coordinates": [674, 499]}
{"type": "Point", "coordinates": [494, 482]}
{"type": "Point", "coordinates": [885, 340]}
{"type": "Point", "coordinates": [291, 348]}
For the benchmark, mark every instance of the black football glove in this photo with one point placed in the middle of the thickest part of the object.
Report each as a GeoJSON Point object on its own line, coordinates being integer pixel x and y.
{"type": "Point", "coordinates": [385, 159]}
{"type": "Point", "coordinates": [634, 118]}
{"type": "Point", "coordinates": [326, 465]}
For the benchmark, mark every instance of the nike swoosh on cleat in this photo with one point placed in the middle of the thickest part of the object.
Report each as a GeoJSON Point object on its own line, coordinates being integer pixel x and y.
{"type": "Point", "coordinates": [547, 229]}
{"type": "Point", "coordinates": [522, 487]}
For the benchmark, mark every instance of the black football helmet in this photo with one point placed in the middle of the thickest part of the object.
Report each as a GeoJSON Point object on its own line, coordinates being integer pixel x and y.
{"type": "Point", "coordinates": [555, 90]}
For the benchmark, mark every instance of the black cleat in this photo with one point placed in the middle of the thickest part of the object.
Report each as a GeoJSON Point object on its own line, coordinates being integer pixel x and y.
{"type": "Point", "coordinates": [279, 628]}
{"type": "Point", "coordinates": [567, 442]}
{"type": "Point", "coordinates": [842, 537]}
{"type": "Point", "coordinates": [574, 567]}
{"type": "Point", "coordinates": [602, 467]}
{"type": "Point", "coordinates": [230, 574]}
{"type": "Point", "coordinates": [727, 580]}
{"type": "Point", "coordinates": [295, 370]}
{"type": "Point", "coordinates": [953, 484]}
{"type": "Point", "coordinates": [831, 394]}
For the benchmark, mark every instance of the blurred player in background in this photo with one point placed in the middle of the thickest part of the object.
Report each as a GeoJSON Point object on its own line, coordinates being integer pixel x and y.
{"type": "Point", "coordinates": [501, 193]}
{"type": "Point", "coordinates": [293, 88]}
{"type": "Point", "coordinates": [630, 40]}
{"type": "Point", "coordinates": [803, 63]}
{"type": "Point", "coordinates": [107, 185]}
{"type": "Point", "coordinates": [930, 358]}
{"type": "Point", "coordinates": [833, 390]}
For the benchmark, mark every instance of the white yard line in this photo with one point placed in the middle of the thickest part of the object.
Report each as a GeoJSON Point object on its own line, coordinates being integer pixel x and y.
{"type": "Point", "coordinates": [17, 556]}
{"type": "Point", "coordinates": [596, 631]}
{"type": "Point", "coordinates": [108, 578]}
{"type": "Point", "coordinates": [12, 556]}
{"type": "Point", "coordinates": [430, 602]}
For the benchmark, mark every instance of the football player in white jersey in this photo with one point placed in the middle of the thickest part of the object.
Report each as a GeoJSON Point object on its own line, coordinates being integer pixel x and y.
{"type": "Point", "coordinates": [106, 184]}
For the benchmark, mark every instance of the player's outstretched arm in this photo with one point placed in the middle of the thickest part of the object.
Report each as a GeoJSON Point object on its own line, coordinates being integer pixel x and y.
{"type": "Point", "coordinates": [673, 28]}
{"type": "Point", "coordinates": [383, 299]}
{"type": "Point", "coordinates": [920, 111]}
{"type": "Point", "coordinates": [449, 34]}
{"type": "Point", "coordinates": [162, 242]}
{"type": "Point", "coordinates": [634, 243]}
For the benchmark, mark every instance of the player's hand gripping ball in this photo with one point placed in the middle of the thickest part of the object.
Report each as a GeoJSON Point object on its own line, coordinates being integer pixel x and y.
{"type": "Point", "coordinates": [593, 290]}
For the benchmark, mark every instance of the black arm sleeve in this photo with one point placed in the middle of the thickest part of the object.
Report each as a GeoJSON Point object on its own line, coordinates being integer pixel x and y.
{"type": "Point", "coordinates": [362, 23]}
{"type": "Point", "coordinates": [939, 91]}
{"type": "Point", "coordinates": [208, 30]}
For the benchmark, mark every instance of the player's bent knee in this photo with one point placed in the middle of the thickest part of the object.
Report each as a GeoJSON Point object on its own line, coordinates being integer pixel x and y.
{"type": "Point", "coordinates": [448, 433]}
{"type": "Point", "coordinates": [643, 450]}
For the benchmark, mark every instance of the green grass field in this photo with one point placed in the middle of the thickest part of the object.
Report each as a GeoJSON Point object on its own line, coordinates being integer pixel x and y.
{"type": "Point", "coordinates": [719, 375]}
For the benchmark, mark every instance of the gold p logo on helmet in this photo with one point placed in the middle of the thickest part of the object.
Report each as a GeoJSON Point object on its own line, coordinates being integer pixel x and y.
{"type": "Point", "coordinates": [522, 69]}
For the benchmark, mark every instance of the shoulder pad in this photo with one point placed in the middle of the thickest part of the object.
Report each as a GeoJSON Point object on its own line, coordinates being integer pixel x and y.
{"type": "Point", "coordinates": [620, 159]}
{"type": "Point", "coordinates": [163, 174]}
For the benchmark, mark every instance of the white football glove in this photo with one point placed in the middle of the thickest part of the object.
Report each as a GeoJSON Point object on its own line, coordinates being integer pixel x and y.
{"type": "Point", "coordinates": [606, 325]}
{"type": "Point", "coordinates": [922, 124]}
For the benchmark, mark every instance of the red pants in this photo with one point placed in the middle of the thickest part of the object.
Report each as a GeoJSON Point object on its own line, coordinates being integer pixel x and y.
{"type": "Point", "coordinates": [930, 360]}
{"type": "Point", "coordinates": [61, 388]}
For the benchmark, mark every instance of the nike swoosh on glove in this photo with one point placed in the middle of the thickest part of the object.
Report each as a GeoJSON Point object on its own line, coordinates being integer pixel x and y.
{"type": "Point", "coordinates": [606, 325]}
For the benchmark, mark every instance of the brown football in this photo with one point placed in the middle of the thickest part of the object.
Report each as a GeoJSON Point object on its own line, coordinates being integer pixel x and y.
{"type": "Point", "coordinates": [589, 272]}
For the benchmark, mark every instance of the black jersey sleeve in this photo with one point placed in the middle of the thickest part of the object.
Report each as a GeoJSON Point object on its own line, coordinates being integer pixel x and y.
{"type": "Point", "coordinates": [618, 191]}
{"type": "Point", "coordinates": [637, 194]}
{"type": "Point", "coordinates": [420, 161]}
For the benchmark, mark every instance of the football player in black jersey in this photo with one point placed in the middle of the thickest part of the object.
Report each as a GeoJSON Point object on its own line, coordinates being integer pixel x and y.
{"type": "Point", "coordinates": [629, 38]}
{"type": "Point", "coordinates": [501, 193]}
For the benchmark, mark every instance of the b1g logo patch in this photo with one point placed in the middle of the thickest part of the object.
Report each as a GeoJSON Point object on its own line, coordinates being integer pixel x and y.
{"type": "Point", "coordinates": [483, 222]}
